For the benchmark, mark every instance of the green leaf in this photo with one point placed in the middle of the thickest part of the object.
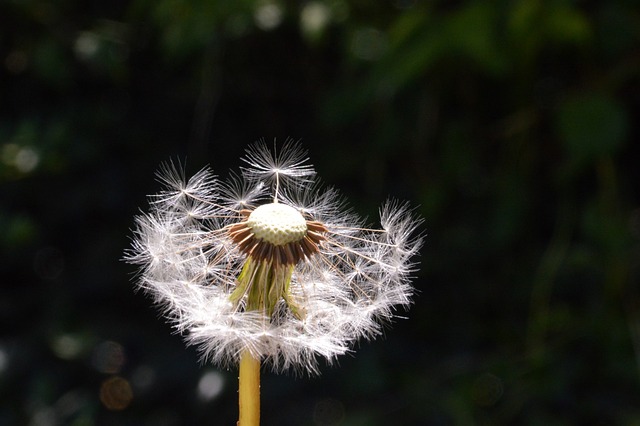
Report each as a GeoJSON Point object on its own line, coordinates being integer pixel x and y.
{"type": "Point", "coordinates": [591, 126]}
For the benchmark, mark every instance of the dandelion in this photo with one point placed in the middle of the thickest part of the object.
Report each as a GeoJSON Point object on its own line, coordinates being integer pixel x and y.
{"type": "Point", "coordinates": [268, 267]}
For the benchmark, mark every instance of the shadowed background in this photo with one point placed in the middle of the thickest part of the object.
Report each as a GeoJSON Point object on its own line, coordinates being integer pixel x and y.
{"type": "Point", "coordinates": [511, 124]}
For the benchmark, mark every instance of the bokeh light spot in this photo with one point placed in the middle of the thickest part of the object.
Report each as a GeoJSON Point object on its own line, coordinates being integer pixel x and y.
{"type": "Point", "coordinates": [24, 158]}
{"type": "Point", "coordinates": [268, 16]}
{"type": "Point", "coordinates": [487, 390]}
{"type": "Point", "coordinates": [210, 385]}
{"type": "Point", "coordinates": [87, 45]}
{"type": "Point", "coordinates": [67, 346]}
{"type": "Point", "coordinates": [314, 17]}
{"type": "Point", "coordinates": [116, 393]}
{"type": "Point", "coordinates": [108, 357]}
{"type": "Point", "coordinates": [27, 159]}
{"type": "Point", "coordinates": [143, 377]}
{"type": "Point", "coordinates": [48, 263]}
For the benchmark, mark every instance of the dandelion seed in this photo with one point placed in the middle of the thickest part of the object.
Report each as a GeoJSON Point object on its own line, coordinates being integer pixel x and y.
{"type": "Point", "coordinates": [267, 267]}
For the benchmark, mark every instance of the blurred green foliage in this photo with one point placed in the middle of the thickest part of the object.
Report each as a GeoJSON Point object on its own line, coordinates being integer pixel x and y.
{"type": "Point", "coordinates": [513, 124]}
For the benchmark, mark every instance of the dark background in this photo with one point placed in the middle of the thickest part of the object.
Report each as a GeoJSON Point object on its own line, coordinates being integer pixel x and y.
{"type": "Point", "coordinates": [511, 124]}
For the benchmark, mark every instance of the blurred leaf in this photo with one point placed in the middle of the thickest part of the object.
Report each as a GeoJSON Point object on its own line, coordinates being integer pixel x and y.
{"type": "Point", "coordinates": [567, 24]}
{"type": "Point", "coordinates": [471, 32]}
{"type": "Point", "coordinates": [52, 63]}
{"type": "Point", "coordinates": [617, 29]}
{"type": "Point", "coordinates": [468, 34]}
{"type": "Point", "coordinates": [419, 40]}
{"type": "Point", "coordinates": [407, 25]}
{"type": "Point", "coordinates": [603, 227]}
{"type": "Point", "coordinates": [187, 27]}
{"type": "Point", "coordinates": [17, 231]}
{"type": "Point", "coordinates": [534, 25]}
{"type": "Point", "coordinates": [591, 125]}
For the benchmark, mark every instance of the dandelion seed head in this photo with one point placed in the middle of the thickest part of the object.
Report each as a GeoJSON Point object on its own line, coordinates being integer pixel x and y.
{"type": "Point", "coordinates": [277, 223]}
{"type": "Point", "coordinates": [268, 261]}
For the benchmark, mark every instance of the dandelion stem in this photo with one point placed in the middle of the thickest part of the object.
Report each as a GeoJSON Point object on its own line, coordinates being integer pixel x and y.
{"type": "Point", "coordinates": [249, 390]}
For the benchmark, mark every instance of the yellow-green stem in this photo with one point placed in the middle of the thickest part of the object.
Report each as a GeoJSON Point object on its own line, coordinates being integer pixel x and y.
{"type": "Point", "coordinates": [249, 391]}
{"type": "Point", "coordinates": [263, 285]}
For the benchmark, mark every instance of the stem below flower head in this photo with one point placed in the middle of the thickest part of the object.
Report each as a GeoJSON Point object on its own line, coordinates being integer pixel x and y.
{"type": "Point", "coordinates": [249, 391]}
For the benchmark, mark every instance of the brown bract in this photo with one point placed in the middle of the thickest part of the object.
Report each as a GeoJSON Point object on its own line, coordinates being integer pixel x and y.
{"type": "Point", "coordinates": [286, 254]}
